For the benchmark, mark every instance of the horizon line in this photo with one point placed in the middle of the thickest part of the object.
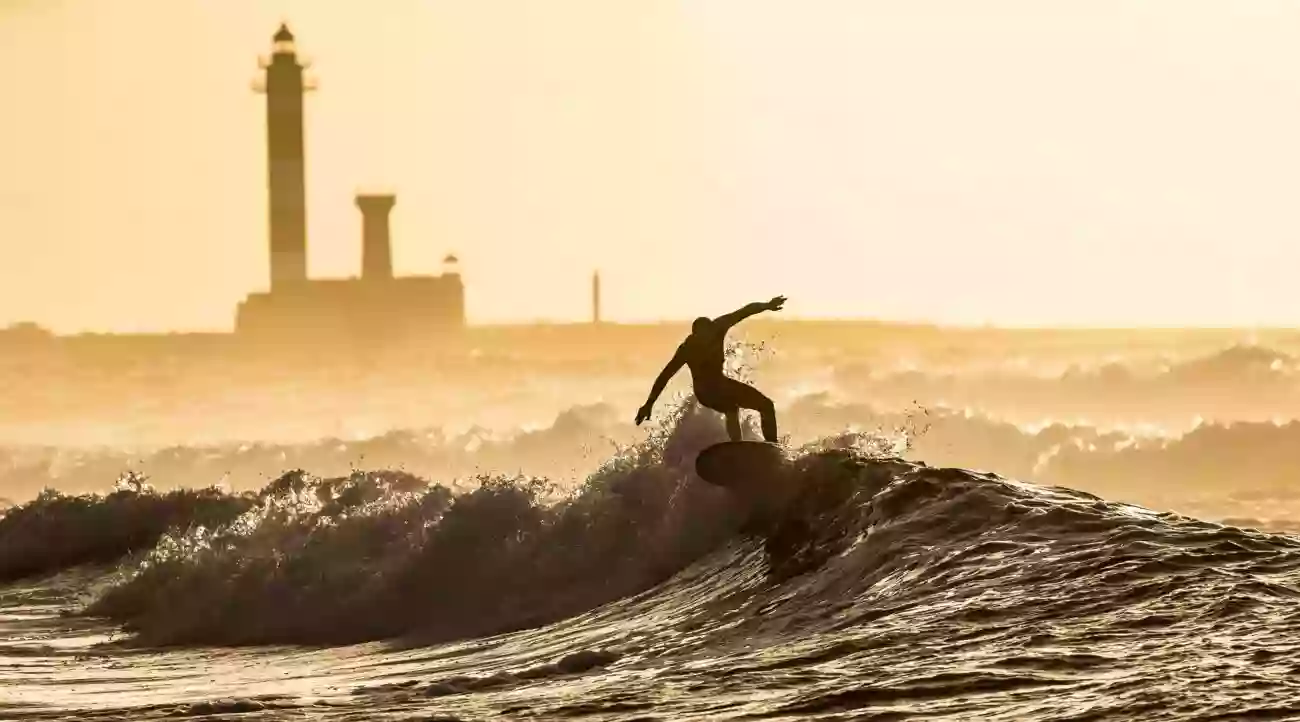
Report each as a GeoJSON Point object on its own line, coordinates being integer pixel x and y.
{"type": "Point", "coordinates": [17, 326]}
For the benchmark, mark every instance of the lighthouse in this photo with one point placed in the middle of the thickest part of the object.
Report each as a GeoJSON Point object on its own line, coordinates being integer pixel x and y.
{"type": "Point", "coordinates": [284, 85]}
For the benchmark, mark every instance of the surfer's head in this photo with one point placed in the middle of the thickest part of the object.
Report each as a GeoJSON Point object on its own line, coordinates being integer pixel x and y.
{"type": "Point", "coordinates": [702, 325]}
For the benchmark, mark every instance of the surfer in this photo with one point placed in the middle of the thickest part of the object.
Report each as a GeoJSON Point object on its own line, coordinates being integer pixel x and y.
{"type": "Point", "coordinates": [703, 353]}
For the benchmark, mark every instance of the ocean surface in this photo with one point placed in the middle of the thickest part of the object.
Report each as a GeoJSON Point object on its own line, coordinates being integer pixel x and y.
{"type": "Point", "coordinates": [886, 590]}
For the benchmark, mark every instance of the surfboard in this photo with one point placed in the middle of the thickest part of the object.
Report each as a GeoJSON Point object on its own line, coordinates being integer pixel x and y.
{"type": "Point", "coordinates": [743, 466]}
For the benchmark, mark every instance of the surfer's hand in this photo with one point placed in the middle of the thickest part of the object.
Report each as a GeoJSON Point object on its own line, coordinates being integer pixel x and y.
{"type": "Point", "coordinates": [642, 414]}
{"type": "Point", "coordinates": [776, 303]}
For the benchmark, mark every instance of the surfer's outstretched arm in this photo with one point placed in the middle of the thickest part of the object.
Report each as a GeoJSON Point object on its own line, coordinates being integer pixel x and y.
{"type": "Point", "coordinates": [728, 320]}
{"type": "Point", "coordinates": [674, 365]}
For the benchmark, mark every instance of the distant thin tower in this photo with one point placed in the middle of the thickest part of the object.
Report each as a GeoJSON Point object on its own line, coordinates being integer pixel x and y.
{"type": "Point", "coordinates": [595, 297]}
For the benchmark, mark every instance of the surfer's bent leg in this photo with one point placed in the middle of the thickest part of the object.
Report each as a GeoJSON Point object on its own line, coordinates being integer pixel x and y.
{"type": "Point", "coordinates": [748, 397]}
{"type": "Point", "coordinates": [733, 424]}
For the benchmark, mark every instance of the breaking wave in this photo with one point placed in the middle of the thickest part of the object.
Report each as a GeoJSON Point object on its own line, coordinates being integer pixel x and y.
{"type": "Point", "coordinates": [383, 554]}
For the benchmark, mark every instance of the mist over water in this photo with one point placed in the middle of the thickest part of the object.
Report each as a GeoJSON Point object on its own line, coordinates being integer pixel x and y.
{"type": "Point", "coordinates": [476, 541]}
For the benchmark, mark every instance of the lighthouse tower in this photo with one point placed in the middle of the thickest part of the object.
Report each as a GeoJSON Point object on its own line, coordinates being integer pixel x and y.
{"type": "Point", "coordinates": [284, 85]}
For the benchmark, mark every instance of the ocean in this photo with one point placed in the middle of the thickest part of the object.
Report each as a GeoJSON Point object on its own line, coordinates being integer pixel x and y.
{"type": "Point", "coordinates": [889, 589]}
{"type": "Point", "coordinates": [1051, 529]}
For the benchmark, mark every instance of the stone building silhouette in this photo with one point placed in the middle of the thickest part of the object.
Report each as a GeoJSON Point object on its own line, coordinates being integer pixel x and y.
{"type": "Point", "coordinates": [377, 305]}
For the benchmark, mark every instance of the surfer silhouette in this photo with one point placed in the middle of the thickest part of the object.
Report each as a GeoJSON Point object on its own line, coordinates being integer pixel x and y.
{"type": "Point", "coordinates": [703, 353]}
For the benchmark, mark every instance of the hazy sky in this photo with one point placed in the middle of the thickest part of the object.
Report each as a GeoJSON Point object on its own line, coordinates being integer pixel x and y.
{"type": "Point", "coordinates": [1015, 162]}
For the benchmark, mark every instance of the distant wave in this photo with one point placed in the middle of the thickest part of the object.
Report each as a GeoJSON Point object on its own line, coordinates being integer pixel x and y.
{"type": "Point", "coordinates": [145, 401]}
{"type": "Point", "coordinates": [1237, 469]}
{"type": "Point", "coordinates": [1240, 382]}
{"type": "Point", "coordinates": [574, 444]}
{"type": "Point", "coordinates": [1167, 472]}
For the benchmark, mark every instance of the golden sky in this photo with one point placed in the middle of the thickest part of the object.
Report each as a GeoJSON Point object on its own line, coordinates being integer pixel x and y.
{"type": "Point", "coordinates": [1005, 161]}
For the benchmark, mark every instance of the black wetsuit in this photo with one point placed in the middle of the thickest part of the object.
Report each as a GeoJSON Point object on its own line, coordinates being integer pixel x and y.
{"type": "Point", "coordinates": [705, 355]}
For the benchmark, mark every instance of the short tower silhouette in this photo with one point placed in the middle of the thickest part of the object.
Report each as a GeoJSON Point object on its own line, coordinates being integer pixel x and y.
{"type": "Point", "coordinates": [376, 246]}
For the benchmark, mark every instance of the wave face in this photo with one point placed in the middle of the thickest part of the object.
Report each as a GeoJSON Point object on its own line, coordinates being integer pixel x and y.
{"type": "Point", "coordinates": [888, 589]}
